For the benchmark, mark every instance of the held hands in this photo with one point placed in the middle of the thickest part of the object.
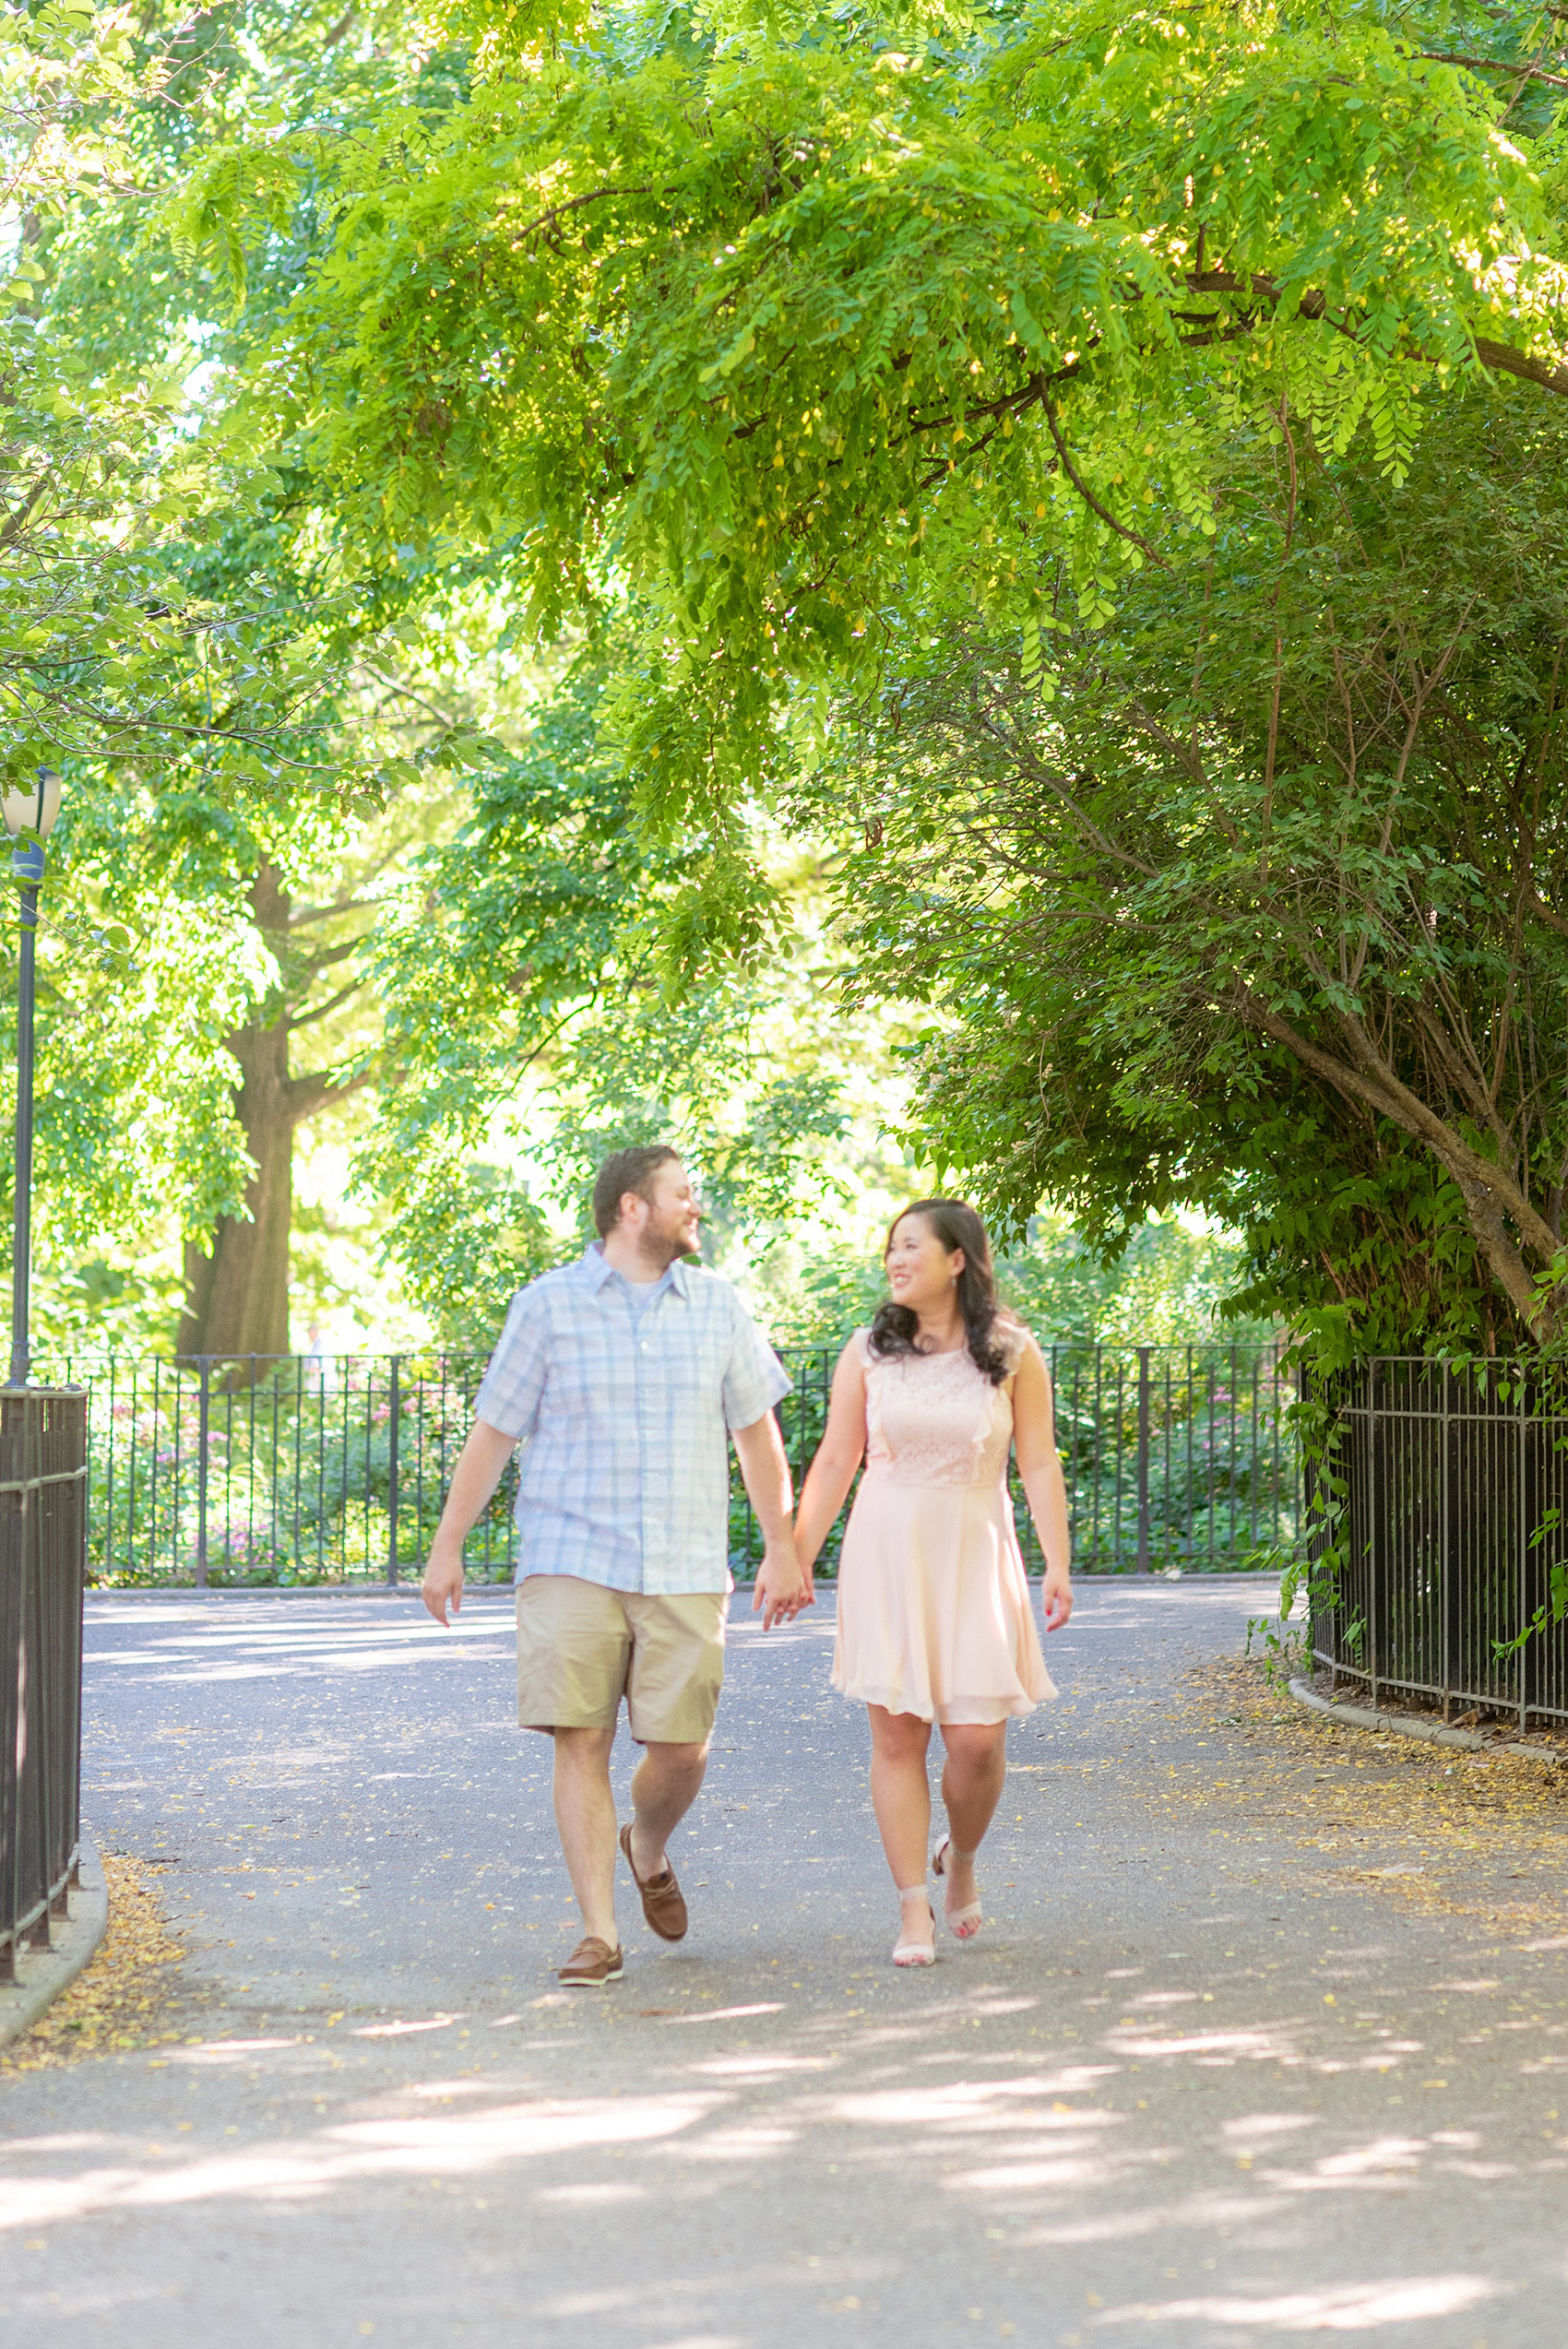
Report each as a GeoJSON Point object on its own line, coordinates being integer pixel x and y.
{"type": "Point", "coordinates": [443, 1580]}
{"type": "Point", "coordinates": [1056, 1597]}
{"type": "Point", "coordinates": [783, 1585]}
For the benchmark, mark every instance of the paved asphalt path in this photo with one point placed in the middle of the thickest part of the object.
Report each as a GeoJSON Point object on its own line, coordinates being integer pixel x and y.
{"type": "Point", "coordinates": [1177, 2095]}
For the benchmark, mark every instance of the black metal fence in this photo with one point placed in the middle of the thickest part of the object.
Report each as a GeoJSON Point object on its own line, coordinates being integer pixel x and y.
{"type": "Point", "coordinates": [1177, 1457]}
{"type": "Point", "coordinates": [1439, 1539]}
{"type": "Point", "coordinates": [293, 1468]}
{"type": "Point", "coordinates": [309, 1469]}
{"type": "Point", "coordinates": [44, 1476]}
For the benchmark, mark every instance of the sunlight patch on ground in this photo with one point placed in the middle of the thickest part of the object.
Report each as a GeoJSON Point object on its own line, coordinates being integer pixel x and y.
{"type": "Point", "coordinates": [730, 2014]}
{"type": "Point", "coordinates": [219, 1652]}
{"type": "Point", "coordinates": [760, 2067]}
{"type": "Point", "coordinates": [335, 2156]}
{"type": "Point", "coordinates": [966, 2104]}
{"type": "Point", "coordinates": [1023, 2178]}
{"type": "Point", "coordinates": [1258, 2126]}
{"type": "Point", "coordinates": [1262, 2042]}
{"type": "Point", "coordinates": [401, 2029]}
{"type": "Point", "coordinates": [590, 2196]}
{"type": "Point", "coordinates": [1336, 2307]}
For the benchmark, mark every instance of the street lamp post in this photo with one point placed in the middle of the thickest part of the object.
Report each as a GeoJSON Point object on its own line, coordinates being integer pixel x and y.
{"type": "Point", "coordinates": [44, 1483]}
{"type": "Point", "coordinates": [30, 819]}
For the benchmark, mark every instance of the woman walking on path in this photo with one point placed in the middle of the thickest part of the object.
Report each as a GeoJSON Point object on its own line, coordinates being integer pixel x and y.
{"type": "Point", "coordinates": [935, 1620]}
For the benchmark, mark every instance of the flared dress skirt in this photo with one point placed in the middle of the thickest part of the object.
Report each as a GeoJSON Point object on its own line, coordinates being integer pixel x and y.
{"type": "Point", "coordinates": [934, 1612]}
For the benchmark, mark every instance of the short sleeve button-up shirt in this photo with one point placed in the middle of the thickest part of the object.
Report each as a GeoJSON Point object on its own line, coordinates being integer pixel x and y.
{"type": "Point", "coordinates": [623, 1408]}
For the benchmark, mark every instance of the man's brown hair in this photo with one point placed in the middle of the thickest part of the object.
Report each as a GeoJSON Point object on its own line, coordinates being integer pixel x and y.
{"type": "Point", "coordinates": [626, 1171]}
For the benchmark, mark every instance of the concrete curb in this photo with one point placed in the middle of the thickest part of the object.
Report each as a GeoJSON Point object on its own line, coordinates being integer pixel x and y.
{"type": "Point", "coordinates": [45, 1973]}
{"type": "Point", "coordinates": [1436, 1733]}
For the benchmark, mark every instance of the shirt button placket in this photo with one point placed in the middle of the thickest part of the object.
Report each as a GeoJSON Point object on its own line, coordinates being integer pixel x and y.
{"type": "Point", "coordinates": [643, 1444]}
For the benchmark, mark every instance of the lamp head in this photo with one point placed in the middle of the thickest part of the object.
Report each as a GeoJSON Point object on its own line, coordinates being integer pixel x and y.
{"type": "Point", "coordinates": [33, 811]}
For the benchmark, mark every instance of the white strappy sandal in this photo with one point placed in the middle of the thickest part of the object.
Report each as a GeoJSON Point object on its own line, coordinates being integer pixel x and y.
{"type": "Point", "coordinates": [962, 1922]}
{"type": "Point", "coordinates": [916, 1952]}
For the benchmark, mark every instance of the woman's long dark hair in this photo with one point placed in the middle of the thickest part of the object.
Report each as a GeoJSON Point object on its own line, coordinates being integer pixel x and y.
{"type": "Point", "coordinates": [955, 1224]}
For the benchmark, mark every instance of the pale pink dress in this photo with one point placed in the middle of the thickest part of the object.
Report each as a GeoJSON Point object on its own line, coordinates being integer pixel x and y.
{"type": "Point", "coordinates": [934, 1616]}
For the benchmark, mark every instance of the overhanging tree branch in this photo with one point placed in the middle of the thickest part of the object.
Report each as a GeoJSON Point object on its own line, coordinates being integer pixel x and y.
{"type": "Point", "coordinates": [1501, 357]}
{"type": "Point", "coordinates": [306, 1094]}
{"type": "Point", "coordinates": [1088, 496]}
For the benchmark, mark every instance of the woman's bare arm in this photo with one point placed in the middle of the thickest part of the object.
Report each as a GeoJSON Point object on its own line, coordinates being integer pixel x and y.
{"type": "Point", "coordinates": [1039, 1465]}
{"type": "Point", "coordinates": [832, 1472]}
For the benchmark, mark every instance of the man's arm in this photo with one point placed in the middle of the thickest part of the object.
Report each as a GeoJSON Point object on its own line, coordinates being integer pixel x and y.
{"type": "Point", "coordinates": [479, 1470]}
{"type": "Point", "coordinates": [781, 1588]}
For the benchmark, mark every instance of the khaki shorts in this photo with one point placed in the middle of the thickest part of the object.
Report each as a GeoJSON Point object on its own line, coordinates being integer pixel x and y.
{"type": "Point", "coordinates": [581, 1648]}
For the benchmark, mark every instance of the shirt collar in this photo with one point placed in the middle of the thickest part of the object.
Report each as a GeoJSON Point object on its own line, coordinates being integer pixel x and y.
{"type": "Point", "coordinates": [593, 1267]}
{"type": "Point", "coordinates": [597, 1269]}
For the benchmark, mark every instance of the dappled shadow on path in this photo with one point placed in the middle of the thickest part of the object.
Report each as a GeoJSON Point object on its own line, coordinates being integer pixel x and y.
{"type": "Point", "coordinates": [1262, 2042]}
{"type": "Point", "coordinates": [782, 2165]}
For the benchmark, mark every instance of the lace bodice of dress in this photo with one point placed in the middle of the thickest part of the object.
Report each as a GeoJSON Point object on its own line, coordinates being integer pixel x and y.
{"type": "Point", "coordinates": [934, 1420]}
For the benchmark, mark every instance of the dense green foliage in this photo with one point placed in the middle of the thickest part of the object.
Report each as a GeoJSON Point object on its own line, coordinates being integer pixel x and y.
{"type": "Point", "coordinates": [530, 1006]}
{"type": "Point", "coordinates": [1084, 407]}
{"type": "Point", "coordinates": [1166, 1286]}
{"type": "Point", "coordinates": [777, 317]}
{"type": "Point", "coordinates": [180, 640]}
{"type": "Point", "coordinates": [145, 654]}
{"type": "Point", "coordinates": [1267, 907]}
{"type": "Point", "coordinates": [1104, 467]}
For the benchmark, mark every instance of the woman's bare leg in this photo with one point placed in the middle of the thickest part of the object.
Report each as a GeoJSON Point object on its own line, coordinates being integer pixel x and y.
{"type": "Point", "coordinates": [900, 1796]}
{"type": "Point", "coordinates": [972, 1777]}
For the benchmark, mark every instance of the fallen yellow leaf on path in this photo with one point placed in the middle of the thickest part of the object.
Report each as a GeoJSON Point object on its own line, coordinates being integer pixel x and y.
{"type": "Point", "coordinates": [124, 1999]}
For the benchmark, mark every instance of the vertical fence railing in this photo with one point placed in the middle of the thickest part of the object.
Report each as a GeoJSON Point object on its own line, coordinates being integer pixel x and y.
{"type": "Point", "coordinates": [1436, 1499]}
{"type": "Point", "coordinates": [44, 1476]}
{"type": "Point", "coordinates": [394, 1463]}
{"type": "Point", "coordinates": [1143, 1401]}
{"type": "Point", "coordinates": [1176, 1458]}
{"type": "Point", "coordinates": [261, 1469]}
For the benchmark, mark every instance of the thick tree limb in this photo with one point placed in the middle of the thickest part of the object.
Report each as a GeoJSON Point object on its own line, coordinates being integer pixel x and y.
{"type": "Point", "coordinates": [574, 203]}
{"type": "Point", "coordinates": [330, 954]}
{"type": "Point", "coordinates": [1501, 357]}
{"type": "Point", "coordinates": [1549, 914]}
{"type": "Point", "coordinates": [1495, 65]}
{"type": "Point", "coordinates": [1489, 1196]}
{"type": "Point", "coordinates": [304, 1094]}
{"type": "Point", "coordinates": [321, 1011]}
{"type": "Point", "coordinates": [328, 913]}
{"type": "Point", "coordinates": [16, 522]}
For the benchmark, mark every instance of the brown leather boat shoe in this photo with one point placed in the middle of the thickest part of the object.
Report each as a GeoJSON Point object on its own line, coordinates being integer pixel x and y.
{"type": "Point", "coordinates": [591, 1964]}
{"type": "Point", "coordinates": [663, 1905]}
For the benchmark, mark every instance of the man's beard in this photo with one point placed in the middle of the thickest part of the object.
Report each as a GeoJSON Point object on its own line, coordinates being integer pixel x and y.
{"type": "Point", "coordinates": [666, 1246]}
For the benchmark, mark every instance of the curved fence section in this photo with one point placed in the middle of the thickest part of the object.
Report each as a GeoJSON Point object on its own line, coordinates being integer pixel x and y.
{"type": "Point", "coordinates": [43, 1478]}
{"type": "Point", "coordinates": [1437, 1536]}
{"type": "Point", "coordinates": [297, 1469]}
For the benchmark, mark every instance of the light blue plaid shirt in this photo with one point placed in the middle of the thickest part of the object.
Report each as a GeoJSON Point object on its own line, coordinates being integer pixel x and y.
{"type": "Point", "coordinates": [625, 1413]}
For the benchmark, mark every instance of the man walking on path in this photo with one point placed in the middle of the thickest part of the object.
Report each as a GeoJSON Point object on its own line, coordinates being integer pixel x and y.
{"type": "Point", "coordinates": [625, 1374]}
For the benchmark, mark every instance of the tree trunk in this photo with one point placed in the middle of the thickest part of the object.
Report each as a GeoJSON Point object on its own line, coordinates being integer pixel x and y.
{"type": "Point", "coordinates": [237, 1290]}
{"type": "Point", "coordinates": [237, 1284]}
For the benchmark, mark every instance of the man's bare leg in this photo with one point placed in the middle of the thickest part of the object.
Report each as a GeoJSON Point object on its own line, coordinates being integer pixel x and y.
{"type": "Point", "coordinates": [664, 1787]}
{"type": "Point", "coordinates": [585, 1821]}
